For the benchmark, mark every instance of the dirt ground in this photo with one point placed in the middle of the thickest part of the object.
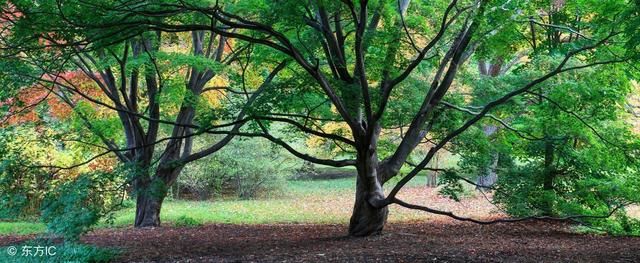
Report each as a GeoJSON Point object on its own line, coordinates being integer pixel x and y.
{"type": "Point", "coordinates": [407, 242]}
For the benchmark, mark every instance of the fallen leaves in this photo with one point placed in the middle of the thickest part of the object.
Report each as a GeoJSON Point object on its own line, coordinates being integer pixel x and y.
{"type": "Point", "coordinates": [401, 242]}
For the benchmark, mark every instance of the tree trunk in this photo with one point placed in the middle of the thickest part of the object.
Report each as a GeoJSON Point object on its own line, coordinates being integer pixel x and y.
{"type": "Point", "coordinates": [548, 176]}
{"type": "Point", "coordinates": [432, 179]}
{"type": "Point", "coordinates": [490, 174]}
{"type": "Point", "coordinates": [150, 195]}
{"type": "Point", "coordinates": [367, 220]}
{"type": "Point", "coordinates": [148, 210]}
{"type": "Point", "coordinates": [432, 176]}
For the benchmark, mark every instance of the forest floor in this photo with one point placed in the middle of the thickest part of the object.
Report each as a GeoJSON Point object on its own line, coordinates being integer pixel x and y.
{"type": "Point", "coordinates": [433, 241]}
{"type": "Point", "coordinates": [308, 225]}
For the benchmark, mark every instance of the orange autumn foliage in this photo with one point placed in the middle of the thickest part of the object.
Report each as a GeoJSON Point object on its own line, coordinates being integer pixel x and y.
{"type": "Point", "coordinates": [23, 106]}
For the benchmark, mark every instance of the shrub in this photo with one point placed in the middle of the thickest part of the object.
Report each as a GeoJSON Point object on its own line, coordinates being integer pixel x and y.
{"type": "Point", "coordinates": [73, 207]}
{"type": "Point", "coordinates": [26, 152]}
{"type": "Point", "coordinates": [306, 171]}
{"type": "Point", "coordinates": [22, 185]}
{"type": "Point", "coordinates": [588, 192]}
{"type": "Point", "coordinates": [186, 221]}
{"type": "Point", "coordinates": [246, 168]}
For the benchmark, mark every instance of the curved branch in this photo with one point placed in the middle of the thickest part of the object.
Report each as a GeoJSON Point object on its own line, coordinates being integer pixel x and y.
{"type": "Point", "coordinates": [503, 220]}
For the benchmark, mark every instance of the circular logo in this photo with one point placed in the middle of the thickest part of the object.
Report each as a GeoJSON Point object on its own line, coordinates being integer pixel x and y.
{"type": "Point", "coordinates": [12, 251]}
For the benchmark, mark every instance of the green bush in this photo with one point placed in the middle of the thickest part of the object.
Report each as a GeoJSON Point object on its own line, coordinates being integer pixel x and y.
{"type": "Point", "coordinates": [186, 221]}
{"type": "Point", "coordinates": [520, 193]}
{"type": "Point", "coordinates": [22, 184]}
{"type": "Point", "coordinates": [73, 207]}
{"type": "Point", "coordinates": [454, 188]}
{"type": "Point", "coordinates": [246, 168]}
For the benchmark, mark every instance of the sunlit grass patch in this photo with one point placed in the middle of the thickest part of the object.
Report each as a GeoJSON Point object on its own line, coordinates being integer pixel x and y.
{"type": "Point", "coordinates": [304, 201]}
{"type": "Point", "coordinates": [21, 228]}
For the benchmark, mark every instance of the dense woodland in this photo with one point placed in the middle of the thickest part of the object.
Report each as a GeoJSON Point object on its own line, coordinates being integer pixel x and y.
{"type": "Point", "coordinates": [108, 105]}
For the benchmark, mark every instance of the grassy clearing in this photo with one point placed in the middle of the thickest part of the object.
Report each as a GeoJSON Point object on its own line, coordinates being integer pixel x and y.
{"type": "Point", "coordinates": [313, 201]}
{"type": "Point", "coordinates": [301, 201]}
{"type": "Point", "coordinates": [310, 201]}
{"type": "Point", "coordinates": [317, 201]}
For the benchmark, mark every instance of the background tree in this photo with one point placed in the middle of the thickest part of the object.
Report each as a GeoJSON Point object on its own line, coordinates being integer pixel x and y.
{"type": "Point", "coordinates": [152, 85]}
{"type": "Point", "coordinates": [545, 176]}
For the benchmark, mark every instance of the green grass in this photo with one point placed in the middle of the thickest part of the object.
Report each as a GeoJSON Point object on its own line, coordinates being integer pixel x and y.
{"type": "Point", "coordinates": [21, 228]}
{"type": "Point", "coordinates": [317, 201]}
{"type": "Point", "coordinates": [233, 212]}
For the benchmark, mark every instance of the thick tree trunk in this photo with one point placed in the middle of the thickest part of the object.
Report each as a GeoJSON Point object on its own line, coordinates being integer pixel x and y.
{"type": "Point", "coordinates": [148, 210]}
{"type": "Point", "coordinates": [367, 220]}
{"type": "Point", "coordinates": [151, 194]}
{"type": "Point", "coordinates": [489, 174]}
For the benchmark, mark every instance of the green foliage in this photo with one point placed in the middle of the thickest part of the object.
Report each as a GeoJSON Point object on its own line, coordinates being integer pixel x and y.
{"type": "Point", "coordinates": [574, 139]}
{"type": "Point", "coordinates": [75, 206]}
{"type": "Point", "coordinates": [22, 184]}
{"type": "Point", "coordinates": [245, 169]}
{"type": "Point", "coordinates": [452, 186]}
{"type": "Point", "coordinates": [186, 221]}
{"type": "Point", "coordinates": [197, 62]}
{"type": "Point", "coordinates": [572, 149]}
{"type": "Point", "coordinates": [13, 76]}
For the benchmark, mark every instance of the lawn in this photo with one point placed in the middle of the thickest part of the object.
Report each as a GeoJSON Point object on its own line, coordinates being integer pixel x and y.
{"type": "Point", "coordinates": [300, 201]}
{"type": "Point", "coordinates": [303, 201]}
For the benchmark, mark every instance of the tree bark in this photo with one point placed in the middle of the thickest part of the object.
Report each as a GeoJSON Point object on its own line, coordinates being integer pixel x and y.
{"type": "Point", "coordinates": [150, 194]}
{"type": "Point", "coordinates": [548, 176]}
{"type": "Point", "coordinates": [148, 210]}
{"type": "Point", "coordinates": [432, 176]}
{"type": "Point", "coordinates": [366, 219]}
{"type": "Point", "coordinates": [490, 174]}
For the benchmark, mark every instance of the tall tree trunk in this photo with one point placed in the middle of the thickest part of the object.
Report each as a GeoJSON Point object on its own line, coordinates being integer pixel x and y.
{"type": "Point", "coordinates": [489, 175]}
{"type": "Point", "coordinates": [367, 220]}
{"type": "Point", "coordinates": [548, 176]}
